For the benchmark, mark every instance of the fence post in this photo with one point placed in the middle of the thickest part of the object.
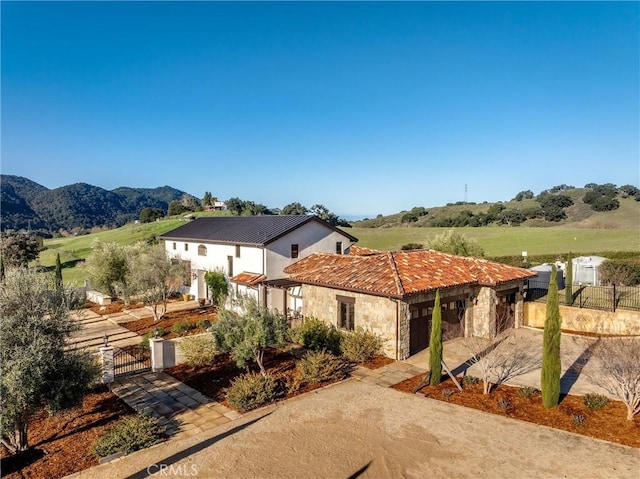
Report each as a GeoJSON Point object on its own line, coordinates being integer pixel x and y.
{"type": "Point", "coordinates": [106, 359]}
{"type": "Point", "coordinates": [156, 345]}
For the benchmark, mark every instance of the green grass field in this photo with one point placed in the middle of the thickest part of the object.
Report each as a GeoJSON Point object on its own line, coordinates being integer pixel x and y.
{"type": "Point", "coordinates": [505, 241]}
{"type": "Point", "coordinates": [496, 241]}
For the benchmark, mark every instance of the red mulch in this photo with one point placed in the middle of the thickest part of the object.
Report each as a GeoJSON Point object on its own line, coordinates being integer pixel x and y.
{"type": "Point", "coordinates": [192, 316]}
{"type": "Point", "coordinates": [609, 423]}
{"type": "Point", "coordinates": [377, 362]}
{"type": "Point", "coordinates": [115, 307]}
{"type": "Point", "coordinates": [214, 379]}
{"type": "Point", "coordinates": [61, 444]}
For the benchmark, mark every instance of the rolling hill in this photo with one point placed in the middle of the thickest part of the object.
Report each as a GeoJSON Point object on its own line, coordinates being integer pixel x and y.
{"type": "Point", "coordinates": [26, 204]}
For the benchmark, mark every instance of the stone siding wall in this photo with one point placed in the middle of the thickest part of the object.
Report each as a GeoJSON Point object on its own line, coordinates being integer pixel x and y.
{"type": "Point", "coordinates": [585, 320]}
{"type": "Point", "coordinates": [374, 313]}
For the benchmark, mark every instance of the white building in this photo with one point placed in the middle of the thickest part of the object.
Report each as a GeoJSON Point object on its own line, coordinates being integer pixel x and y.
{"type": "Point", "coordinates": [252, 251]}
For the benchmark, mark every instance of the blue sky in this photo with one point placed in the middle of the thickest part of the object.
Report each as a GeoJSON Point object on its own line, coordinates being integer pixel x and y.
{"type": "Point", "coordinates": [364, 107]}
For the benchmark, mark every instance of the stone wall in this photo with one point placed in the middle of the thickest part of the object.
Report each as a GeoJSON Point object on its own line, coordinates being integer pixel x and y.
{"type": "Point", "coordinates": [374, 313]}
{"type": "Point", "coordinates": [585, 320]}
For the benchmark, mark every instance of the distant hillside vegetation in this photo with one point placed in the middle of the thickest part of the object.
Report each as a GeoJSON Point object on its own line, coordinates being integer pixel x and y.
{"type": "Point", "coordinates": [594, 206]}
{"type": "Point", "coordinates": [26, 204]}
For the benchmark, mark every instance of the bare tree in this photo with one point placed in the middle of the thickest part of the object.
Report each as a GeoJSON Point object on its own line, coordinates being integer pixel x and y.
{"type": "Point", "coordinates": [502, 358]}
{"type": "Point", "coordinates": [614, 364]}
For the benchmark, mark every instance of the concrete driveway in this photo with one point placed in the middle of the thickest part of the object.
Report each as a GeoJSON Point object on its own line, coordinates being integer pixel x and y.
{"type": "Point", "coordinates": [355, 429]}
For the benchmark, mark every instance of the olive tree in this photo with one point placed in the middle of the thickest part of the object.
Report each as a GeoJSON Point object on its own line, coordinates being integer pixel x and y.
{"type": "Point", "coordinates": [248, 330]}
{"type": "Point", "coordinates": [153, 276]}
{"type": "Point", "coordinates": [218, 286]}
{"type": "Point", "coordinates": [453, 242]}
{"type": "Point", "coordinates": [108, 268]}
{"type": "Point", "coordinates": [38, 370]}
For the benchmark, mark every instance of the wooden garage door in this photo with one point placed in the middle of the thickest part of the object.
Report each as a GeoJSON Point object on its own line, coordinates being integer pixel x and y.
{"type": "Point", "coordinates": [420, 326]}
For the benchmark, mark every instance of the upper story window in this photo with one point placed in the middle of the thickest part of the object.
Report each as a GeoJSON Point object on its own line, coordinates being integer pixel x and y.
{"type": "Point", "coordinates": [174, 246]}
{"type": "Point", "coordinates": [237, 251]}
{"type": "Point", "coordinates": [339, 247]}
{"type": "Point", "coordinates": [186, 246]}
{"type": "Point", "coordinates": [202, 250]}
{"type": "Point", "coordinates": [294, 250]}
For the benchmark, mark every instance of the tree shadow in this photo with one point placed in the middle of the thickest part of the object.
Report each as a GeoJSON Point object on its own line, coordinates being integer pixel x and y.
{"type": "Point", "coordinates": [571, 375]}
{"type": "Point", "coordinates": [360, 471]}
{"type": "Point", "coordinates": [18, 461]}
{"type": "Point", "coordinates": [149, 470]}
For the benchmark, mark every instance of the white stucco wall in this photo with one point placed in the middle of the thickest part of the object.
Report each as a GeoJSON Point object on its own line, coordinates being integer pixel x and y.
{"type": "Point", "coordinates": [312, 237]}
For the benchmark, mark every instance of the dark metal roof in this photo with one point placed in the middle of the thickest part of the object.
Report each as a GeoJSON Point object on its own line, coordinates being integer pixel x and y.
{"type": "Point", "coordinates": [251, 230]}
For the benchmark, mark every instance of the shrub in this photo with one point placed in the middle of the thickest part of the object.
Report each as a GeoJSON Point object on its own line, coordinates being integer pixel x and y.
{"type": "Point", "coordinates": [204, 323]}
{"type": "Point", "coordinates": [144, 344]}
{"type": "Point", "coordinates": [320, 366]}
{"type": "Point", "coordinates": [198, 350]}
{"type": "Point", "coordinates": [595, 401]}
{"type": "Point", "coordinates": [250, 391]}
{"type": "Point", "coordinates": [130, 434]}
{"type": "Point", "coordinates": [470, 380]}
{"type": "Point", "coordinates": [181, 327]}
{"type": "Point", "coordinates": [360, 345]}
{"type": "Point", "coordinates": [579, 419]}
{"type": "Point", "coordinates": [503, 403]}
{"type": "Point", "coordinates": [448, 392]}
{"type": "Point", "coordinates": [528, 391]}
{"type": "Point", "coordinates": [317, 335]}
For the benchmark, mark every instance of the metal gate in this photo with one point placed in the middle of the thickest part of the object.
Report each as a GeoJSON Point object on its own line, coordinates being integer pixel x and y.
{"type": "Point", "coordinates": [131, 360]}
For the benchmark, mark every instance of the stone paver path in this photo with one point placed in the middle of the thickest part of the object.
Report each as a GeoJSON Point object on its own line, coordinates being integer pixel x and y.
{"type": "Point", "coordinates": [388, 375]}
{"type": "Point", "coordinates": [183, 410]}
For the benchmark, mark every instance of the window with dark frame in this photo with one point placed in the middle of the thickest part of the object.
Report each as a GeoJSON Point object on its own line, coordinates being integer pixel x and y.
{"type": "Point", "coordinates": [186, 246]}
{"type": "Point", "coordinates": [174, 246]}
{"type": "Point", "coordinates": [294, 250]}
{"type": "Point", "coordinates": [339, 247]}
{"type": "Point", "coordinates": [237, 251]}
{"type": "Point", "coordinates": [346, 316]}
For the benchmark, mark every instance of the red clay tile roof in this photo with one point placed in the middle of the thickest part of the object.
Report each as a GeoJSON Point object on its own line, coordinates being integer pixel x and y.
{"type": "Point", "coordinates": [400, 273]}
{"type": "Point", "coordinates": [356, 250]}
{"type": "Point", "coordinates": [248, 279]}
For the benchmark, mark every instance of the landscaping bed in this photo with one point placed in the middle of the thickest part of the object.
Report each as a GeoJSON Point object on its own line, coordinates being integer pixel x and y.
{"type": "Point", "coordinates": [168, 322]}
{"type": "Point", "coordinates": [61, 443]}
{"type": "Point", "coordinates": [608, 423]}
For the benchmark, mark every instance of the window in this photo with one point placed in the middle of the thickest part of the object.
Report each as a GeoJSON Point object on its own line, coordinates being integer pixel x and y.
{"type": "Point", "coordinates": [174, 246]}
{"type": "Point", "coordinates": [230, 266]}
{"type": "Point", "coordinates": [339, 247]}
{"type": "Point", "coordinates": [202, 250]}
{"type": "Point", "coordinates": [186, 246]}
{"type": "Point", "coordinates": [237, 251]}
{"type": "Point", "coordinates": [346, 312]}
{"type": "Point", "coordinates": [294, 250]}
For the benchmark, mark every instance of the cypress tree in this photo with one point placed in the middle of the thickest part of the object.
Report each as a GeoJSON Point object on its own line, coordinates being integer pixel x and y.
{"type": "Point", "coordinates": [435, 343]}
{"type": "Point", "coordinates": [568, 287]}
{"type": "Point", "coordinates": [551, 368]}
{"type": "Point", "coordinates": [58, 272]}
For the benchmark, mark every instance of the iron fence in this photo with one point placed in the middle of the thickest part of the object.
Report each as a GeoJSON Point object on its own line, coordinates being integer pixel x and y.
{"type": "Point", "coordinates": [605, 298]}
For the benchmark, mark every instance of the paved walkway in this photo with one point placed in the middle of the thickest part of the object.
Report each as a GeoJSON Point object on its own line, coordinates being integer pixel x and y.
{"type": "Point", "coordinates": [183, 410]}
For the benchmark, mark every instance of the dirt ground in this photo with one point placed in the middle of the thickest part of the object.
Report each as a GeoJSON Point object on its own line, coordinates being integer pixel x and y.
{"type": "Point", "coordinates": [354, 429]}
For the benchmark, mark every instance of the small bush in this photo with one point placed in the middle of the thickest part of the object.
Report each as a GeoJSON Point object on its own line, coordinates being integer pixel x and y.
{"type": "Point", "coordinates": [470, 380]}
{"type": "Point", "coordinates": [503, 403]}
{"type": "Point", "coordinates": [528, 391]}
{"type": "Point", "coordinates": [579, 419]}
{"type": "Point", "coordinates": [447, 393]}
{"type": "Point", "coordinates": [360, 345]}
{"type": "Point", "coordinates": [250, 391]}
{"type": "Point", "coordinates": [181, 327]}
{"type": "Point", "coordinates": [595, 401]}
{"type": "Point", "coordinates": [198, 350]}
{"type": "Point", "coordinates": [128, 435]}
{"type": "Point", "coordinates": [204, 323]}
{"type": "Point", "coordinates": [144, 344]}
{"type": "Point", "coordinates": [317, 335]}
{"type": "Point", "coordinates": [320, 366]}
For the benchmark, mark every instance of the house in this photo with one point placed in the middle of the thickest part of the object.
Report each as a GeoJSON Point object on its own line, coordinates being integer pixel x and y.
{"type": "Point", "coordinates": [393, 293]}
{"type": "Point", "coordinates": [252, 251]}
